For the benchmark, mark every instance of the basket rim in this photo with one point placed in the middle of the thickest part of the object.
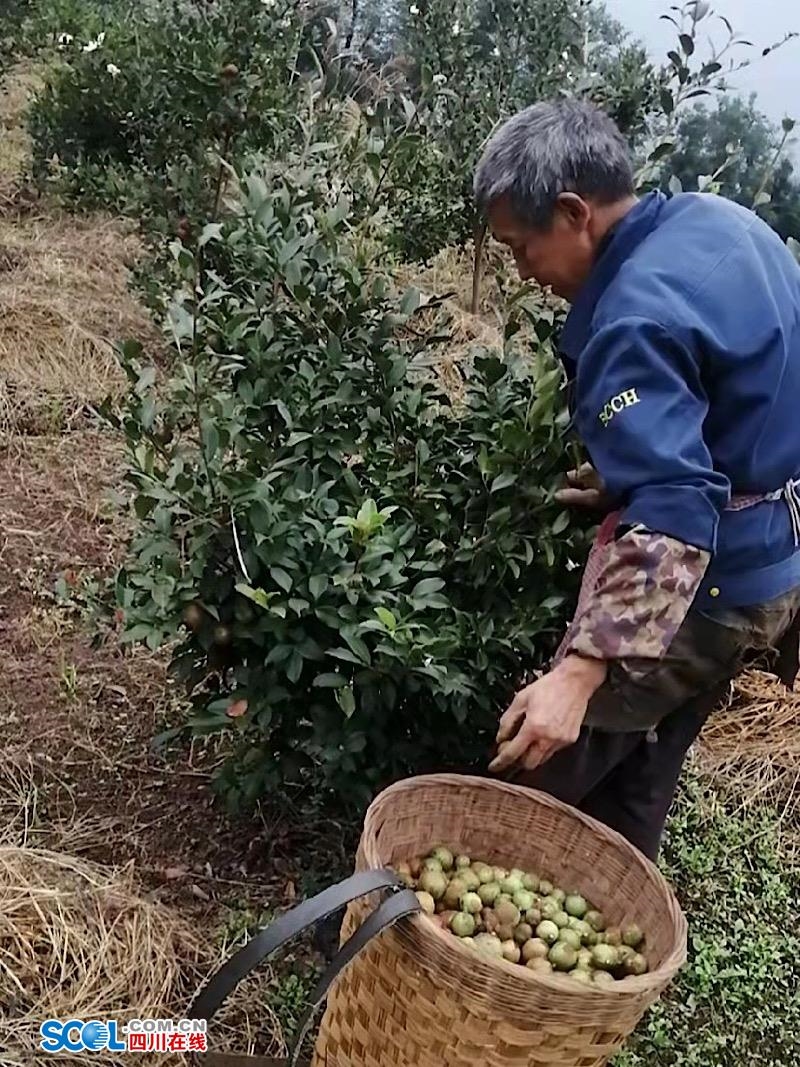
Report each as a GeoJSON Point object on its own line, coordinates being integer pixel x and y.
{"type": "Point", "coordinates": [634, 985]}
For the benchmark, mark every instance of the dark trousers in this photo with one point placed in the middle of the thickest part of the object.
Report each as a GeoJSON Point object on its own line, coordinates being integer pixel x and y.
{"type": "Point", "coordinates": [627, 780]}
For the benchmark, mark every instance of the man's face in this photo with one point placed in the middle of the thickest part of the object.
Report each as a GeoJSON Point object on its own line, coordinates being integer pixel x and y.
{"type": "Point", "coordinates": [561, 256]}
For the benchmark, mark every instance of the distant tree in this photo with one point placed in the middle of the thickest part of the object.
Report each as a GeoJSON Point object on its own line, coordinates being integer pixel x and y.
{"type": "Point", "coordinates": [738, 147]}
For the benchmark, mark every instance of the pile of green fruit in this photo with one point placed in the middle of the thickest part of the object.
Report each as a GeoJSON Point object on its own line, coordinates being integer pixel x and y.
{"type": "Point", "coordinates": [522, 918]}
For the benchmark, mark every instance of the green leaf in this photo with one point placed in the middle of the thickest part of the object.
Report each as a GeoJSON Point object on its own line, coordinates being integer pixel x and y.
{"type": "Point", "coordinates": [357, 645]}
{"type": "Point", "coordinates": [281, 577]}
{"type": "Point", "coordinates": [210, 440]}
{"type": "Point", "coordinates": [294, 666]}
{"type": "Point", "coordinates": [426, 587]}
{"type": "Point", "coordinates": [687, 43]}
{"type": "Point", "coordinates": [346, 700]}
{"type": "Point", "coordinates": [503, 481]}
{"type": "Point", "coordinates": [345, 655]}
{"type": "Point", "coordinates": [561, 523]}
{"type": "Point", "coordinates": [317, 584]}
{"type": "Point", "coordinates": [258, 596]}
{"type": "Point", "coordinates": [663, 150]}
{"type": "Point", "coordinates": [212, 231]}
{"type": "Point", "coordinates": [329, 681]}
{"type": "Point", "coordinates": [410, 302]}
{"type": "Point", "coordinates": [387, 618]}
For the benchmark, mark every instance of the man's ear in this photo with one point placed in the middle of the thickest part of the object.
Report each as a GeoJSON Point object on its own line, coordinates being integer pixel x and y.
{"type": "Point", "coordinates": [574, 211]}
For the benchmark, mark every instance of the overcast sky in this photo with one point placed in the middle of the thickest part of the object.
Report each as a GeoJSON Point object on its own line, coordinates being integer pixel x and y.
{"type": "Point", "coordinates": [775, 79]}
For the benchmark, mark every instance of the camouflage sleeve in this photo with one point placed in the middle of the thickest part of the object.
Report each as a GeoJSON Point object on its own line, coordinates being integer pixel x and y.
{"type": "Point", "coordinates": [639, 598]}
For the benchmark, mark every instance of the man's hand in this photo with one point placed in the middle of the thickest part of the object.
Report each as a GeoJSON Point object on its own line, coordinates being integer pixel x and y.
{"type": "Point", "coordinates": [586, 489]}
{"type": "Point", "coordinates": [548, 714]}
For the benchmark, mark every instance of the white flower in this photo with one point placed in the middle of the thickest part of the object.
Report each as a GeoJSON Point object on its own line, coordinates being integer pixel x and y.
{"type": "Point", "coordinates": [269, 3]}
{"type": "Point", "coordinates": [113, 70]}
{"type": "Point", "coordinates": [413, 10]}
{"type": "Point", "coordinates": [456, 28]}
{"type": "Point", "coordinates": [65, 39]}
{"type": "Point", "coordinates": [496, 51]}
{"type": "Point", "coordinates": [439, 79]}
{"type": "Point", "coordinates": [92, 46]}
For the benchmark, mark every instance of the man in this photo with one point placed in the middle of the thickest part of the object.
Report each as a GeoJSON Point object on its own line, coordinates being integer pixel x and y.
{"type": "Point", "coordinates": [682, 347]}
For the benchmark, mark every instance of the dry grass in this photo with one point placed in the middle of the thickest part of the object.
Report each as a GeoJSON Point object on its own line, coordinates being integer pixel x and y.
{"type": "Point", "coordinates": [449, 275]}
{"type": "Point", "coordinates": [77, 940]}
{"type": "Point", "coordinates": [82, 940]}
{"type": "Point", "coordinates": [752, 747]}
{"type": "Point", "coordinates": [65, 298]}
{"type": "Point", "coordinates": [63, 290]}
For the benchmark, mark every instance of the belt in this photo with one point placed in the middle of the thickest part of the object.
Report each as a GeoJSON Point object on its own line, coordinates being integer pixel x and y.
{"type": "Point", "coordinates": [789, 493]}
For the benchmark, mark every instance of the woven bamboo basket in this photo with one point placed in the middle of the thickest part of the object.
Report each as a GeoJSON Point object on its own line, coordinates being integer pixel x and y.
{"type": "Point", "coordinates": [417, 997]}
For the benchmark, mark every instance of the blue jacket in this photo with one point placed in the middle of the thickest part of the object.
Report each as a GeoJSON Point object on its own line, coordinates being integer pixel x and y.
{"type": "Point", "coordinates": [684, 346]}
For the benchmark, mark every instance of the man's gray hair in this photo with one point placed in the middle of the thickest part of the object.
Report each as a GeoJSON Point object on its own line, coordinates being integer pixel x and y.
{"type": "Point", "coordinates": [562, 146]}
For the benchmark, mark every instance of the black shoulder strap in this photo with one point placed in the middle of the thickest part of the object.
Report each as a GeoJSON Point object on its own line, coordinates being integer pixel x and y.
{"type": "Point", "coordinates": [401, 903]}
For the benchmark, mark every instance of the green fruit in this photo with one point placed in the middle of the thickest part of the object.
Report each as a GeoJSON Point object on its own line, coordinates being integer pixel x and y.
{"type": "Point", "coordinates": [444, 856]}
{"type": "Point", "coordinates": [559, 895]}
{"type": "Point", "coordinates": [524, 899]}
{"type": "Point", "coordinates": [561, 919]}
{"type": "Point", "coordinates": [613, 936]}
{"type": "Point", "coordinates": [432, 863]}
{"type": "Point", "coordinates": [545, 888]}
{"type": "Point", "coordinates": [571, 938]}
{"type": "Point", "coordinates": [562, 956]}
{"type": "Point", "coordinates": [596, 920]}
{"type": "Point", "coordinates": [582, 928]}
{"type": "Point", "coordinates": [489, 892]}
{"type": "Point", "coordinates": [624, 952]}
{"type": "Point", "coordinates": [470, 879]}
{"type": "Point", "coordinates": [602, 978]}
{"type": "Point", "coordinates": [540, 966]}
{"type": "Point", "coordinates": [454, 892]}
{"type": "Point", "coordinates": [580, 974]}
{"type": "Point", "coordinates": [511, 951]}
{"type": "Point", "coordinates": [507, 912]}
{"type": "Point", "coordinates": [535, 949]}
{"type": "Point", "coordinates": [530, 882]}
{"type": "Point", "coordinates": [433, 882]}
{"type": "Point", "coordinates": [471, 903]}
{"type": "Point", "coordinates": [636, 964]}
{"type": "Point", "coordinates": [511, 885]}
{"type": "Point", "coordinates": [584, 957]}
{"type": "Point", "coordinates": [489, 945]}
{"type": "Point", "coordinates": [462, 925]}
{"type": "Point", "coordinates": [462, 862]}
{"type": "Point", "coordinates": [549, 908]}
{"type": "Point", "coordinates": [576, 906]}
{"type": "Point", "coordinates": [426, 902]}
{"type": "Point", "coordinates": [605, 957]}
{"type": "Point", "coordinates": [485, 874]}
{"type": "Point", "coordinates": [533, 916]}
{"type": "Point", "coordinates": [499, 873]}
{"type": "Point", "coordinates": [547, 931]}
{"type": "Point", "coordinates": [523, 933]}
{"type": "Point", "coordinates": [632, 936]}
